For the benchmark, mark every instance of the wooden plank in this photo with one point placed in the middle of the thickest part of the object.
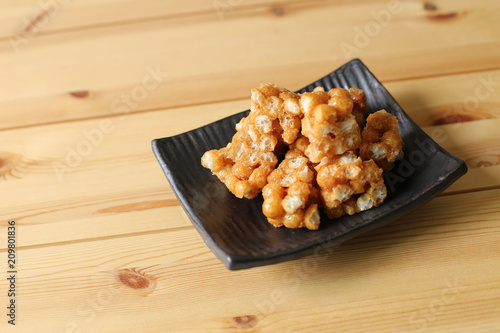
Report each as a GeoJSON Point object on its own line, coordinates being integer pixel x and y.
{"type": "Point", "coordinates": [203, 59]}
{"type": "Point", "coordinates": [171, 281]}
{"type": "Point", "coordinates": [476, 179]}
{"type": "Point", "coordinates": [475, 142]}
{"type": "Point", "coordinates": [68, 176]}
{"type": "Point", "coordinates": [50, 17]}
{"type": "Point", "coordinates": [28, 18]}
{"type": "Point", "coordinates": [449, 99]}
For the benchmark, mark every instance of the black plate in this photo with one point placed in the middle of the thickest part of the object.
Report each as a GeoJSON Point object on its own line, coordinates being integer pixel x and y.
{"type": "Point", "coordinates": [237, 231]}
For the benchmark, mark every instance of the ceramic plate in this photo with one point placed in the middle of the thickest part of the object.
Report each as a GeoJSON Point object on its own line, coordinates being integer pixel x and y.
{"type": "Point", "coordinates": [236, 230]}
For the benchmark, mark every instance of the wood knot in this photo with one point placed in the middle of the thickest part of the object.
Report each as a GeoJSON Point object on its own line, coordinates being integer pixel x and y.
{"type": "Point", "coordinates": [278, 11]}
{"type": "Point", "coordinates": [442, 17]}
{"type": "Point", "coordinates": [80, 94]}
{"type": "Point", "coordinates": [13, 165]}
{"type": "Point", "coordinates": [430, 6]}
{"type": "Point", "coordinates": [486, 160]}
{"type": "Point", "coordinates": [482, 164]}
{"type": "Point", "coordinates": [245, 321]}
{"type": "Point", "coordinates": [455, 117]}
{"type": "Point", "coordinates": [137, 279]}
{"type": "Point", "coordinates": [39, 21]}
{"type": "Point", "coordinates": [134, 280]}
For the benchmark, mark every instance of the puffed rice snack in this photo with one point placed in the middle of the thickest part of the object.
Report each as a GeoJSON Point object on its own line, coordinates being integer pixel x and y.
{"type": "Point", "coordinates": [333, 159]}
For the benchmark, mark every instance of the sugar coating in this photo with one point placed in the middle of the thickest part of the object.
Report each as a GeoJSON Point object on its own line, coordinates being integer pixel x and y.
{"type": "Point", "coordinates": [381, 140]}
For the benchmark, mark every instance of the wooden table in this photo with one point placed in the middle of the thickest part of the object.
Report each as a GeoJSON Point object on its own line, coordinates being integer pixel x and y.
{"type": "Point", "coordinates": [102, 242]}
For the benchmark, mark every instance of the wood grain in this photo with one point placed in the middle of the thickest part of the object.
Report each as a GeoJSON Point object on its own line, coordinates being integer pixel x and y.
{"type": "Point", "coordinates": [103, 244]}
{"type": "Point", "coordinates": [54, 17]}
{"type": "Point", "coordinates": [112, 77]}
{"type": "Point", "coordinates": [378, 275]}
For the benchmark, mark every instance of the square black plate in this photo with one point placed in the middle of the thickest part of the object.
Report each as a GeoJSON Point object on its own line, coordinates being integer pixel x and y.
{"type": "Point", "coordinates": [237, 231]}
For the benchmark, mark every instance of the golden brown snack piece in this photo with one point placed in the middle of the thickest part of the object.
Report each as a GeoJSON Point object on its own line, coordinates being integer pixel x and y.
{"type": "Point", "coordinates": [329, 124]}
{"type": "Point", "coordinates": [262, 131]}
{"type": "Point", "coordinates": [349, 185]}
{"type": "Point", "coordinates": [274, 122]}
{"type": "Point", "coordinates": [241, 166]}
{"type": "Point", "coordinates": [290, 197]}
{"type": "Point", "coordinates": [275, 112]}
{"type": "Point", "coordinates": [381, 140]}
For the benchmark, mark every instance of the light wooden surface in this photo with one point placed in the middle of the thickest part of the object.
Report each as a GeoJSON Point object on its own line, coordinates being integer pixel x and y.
{"type": "Point", "coordinates": [103, 244]}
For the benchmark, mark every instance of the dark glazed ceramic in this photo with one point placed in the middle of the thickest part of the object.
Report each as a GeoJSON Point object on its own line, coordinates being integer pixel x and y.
{"type": "Point", "coordinates": [237, 231]}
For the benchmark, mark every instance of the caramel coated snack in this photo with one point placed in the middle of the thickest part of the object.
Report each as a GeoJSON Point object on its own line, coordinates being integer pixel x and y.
{"type": "Point", "coordinates": [350, 185]}
{"type": "Point", "coordinates": [329, 124]}
{"type": "Point", "coordinates": [274, 117]}
{"type": "Point", "coordinates": [381, 140]}
{"type": "Point", "coordinates": [241, 166]}
{"type": "Point", "coordinates": [320, 132]}
{"type": "Point", "coordinates": [290, 197]}
{"type": "Point", "coordinates": [244, 164]}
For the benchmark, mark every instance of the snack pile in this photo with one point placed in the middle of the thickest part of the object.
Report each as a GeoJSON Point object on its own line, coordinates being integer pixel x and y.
{"type": "Point", "coordinates": [333, 157]}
